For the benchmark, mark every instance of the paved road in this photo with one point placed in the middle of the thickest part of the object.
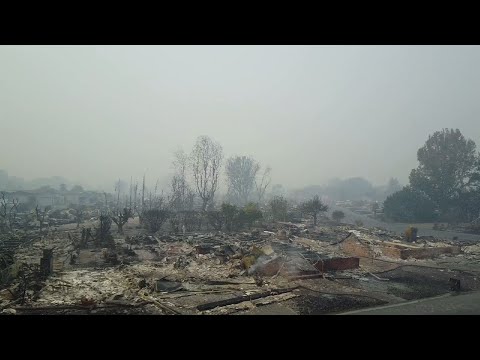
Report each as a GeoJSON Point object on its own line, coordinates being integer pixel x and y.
{"type": "Point", "coordinates": [399, 228]}
{"type": "Point", "coordinates": [449, 304]}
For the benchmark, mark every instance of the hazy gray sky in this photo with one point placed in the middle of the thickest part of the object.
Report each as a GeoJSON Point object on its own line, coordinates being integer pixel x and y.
{"type": "Point", "coordinates": [97, 113]}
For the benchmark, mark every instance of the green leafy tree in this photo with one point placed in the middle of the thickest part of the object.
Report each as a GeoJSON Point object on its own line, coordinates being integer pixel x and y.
{"type": "Point", "coordinates": [102, 231]}
{"type": "Point", "coordinates": [392, 187]}
{"type": "Point", "coordinates": [338, 215]}
{"type": "Point", "coordinates": [278, 207]}
{"type": "Point", "coordinates": [215, 219]}
{"type": "Point", "coordinates": [251, 213]}
{"type": "Point", "coordinates": [230, 215]}
{"type": "Point", "coordinates": [153, 219]}
{"type": "Point", "coordinates": [449, 166]}
{"type": "Point", "coordinates": [313, 207]}
{"type": "Point", "coordinates": [409, 205]}
{"type": "Point", "coordinates": [469, 206]}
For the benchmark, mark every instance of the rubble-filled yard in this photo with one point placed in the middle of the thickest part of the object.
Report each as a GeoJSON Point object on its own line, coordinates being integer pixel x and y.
{"type": "Point", "coordinates": [282, 268]}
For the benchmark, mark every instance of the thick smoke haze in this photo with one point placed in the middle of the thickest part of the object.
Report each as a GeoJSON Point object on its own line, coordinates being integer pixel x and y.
{"type": "Point", "coordinates": [94, 114]}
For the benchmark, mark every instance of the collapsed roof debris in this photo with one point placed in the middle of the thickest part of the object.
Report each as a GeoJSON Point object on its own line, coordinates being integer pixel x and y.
{"type": "Point", "coordinates": [304, 269]}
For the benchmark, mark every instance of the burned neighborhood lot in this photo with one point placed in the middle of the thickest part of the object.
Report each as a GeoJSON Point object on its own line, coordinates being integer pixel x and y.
{"type": "Point", "coordinates": [239, 180]}
{"type": "Point", "coordinates": [275, 268]}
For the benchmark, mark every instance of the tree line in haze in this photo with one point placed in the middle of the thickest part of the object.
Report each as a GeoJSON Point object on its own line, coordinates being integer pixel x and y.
{"type": "Point", "coordinates": [444, 187]}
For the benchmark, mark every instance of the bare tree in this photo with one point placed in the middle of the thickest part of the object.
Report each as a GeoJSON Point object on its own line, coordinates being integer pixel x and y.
{"type": "Point", "coordinates": [241, 173]}
{"type": "Point", "coordinates": [182, 195]}
{"type": "Point", "coordinates": [79, 215]}
{"type": "Point", "coordinates": [28, 275]}
{"type": "Point", "coordinates": [117, 190]}
{"type": "Point", "coordinates": [8, 212]}
{"type": "Point", "coordinates": [261, 186]}
{"type": "Point", "coordinates": [143, 193]}
{"type": "Point", "coordinates": [153, 200]}
{"type": "Point", "coordinates": [131, 189]}
{"type": "Point", "coordinates": [120, 217]}
{"type": "Point", "coordinates": [206, 159]}
{"type": "Point", "coordinates": [135, 189]}
{"type": "Point", "coordinates": [180, 163]}
{"type": "Point", "coordinates": [40, 217]}
{"type": "Point", "coordinates": [3, 211]}
{"type": "Point", "coordinates": [25, 222]}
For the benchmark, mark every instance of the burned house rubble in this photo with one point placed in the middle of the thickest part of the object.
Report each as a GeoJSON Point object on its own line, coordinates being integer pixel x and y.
{"type": "Point", "coordinates": [188, 180]}
{"type": "Point", "coordinates": [276, 268]}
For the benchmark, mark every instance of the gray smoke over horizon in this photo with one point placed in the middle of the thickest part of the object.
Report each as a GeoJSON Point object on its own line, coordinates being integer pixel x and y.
{"type": "Point", "coordinates": [95, 114]}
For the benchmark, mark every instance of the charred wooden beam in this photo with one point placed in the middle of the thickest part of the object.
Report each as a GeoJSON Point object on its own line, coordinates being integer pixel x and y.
{"type": "Point", "coordinates": [240, 299]}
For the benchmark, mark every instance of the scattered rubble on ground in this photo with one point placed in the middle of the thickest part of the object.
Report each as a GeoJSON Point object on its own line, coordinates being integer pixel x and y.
{"type": "Point", "coordinates": [341, 267]}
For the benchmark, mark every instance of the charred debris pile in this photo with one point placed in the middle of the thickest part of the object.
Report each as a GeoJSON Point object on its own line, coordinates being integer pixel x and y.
{"type": "Point", "coordinates": [285, 267]}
